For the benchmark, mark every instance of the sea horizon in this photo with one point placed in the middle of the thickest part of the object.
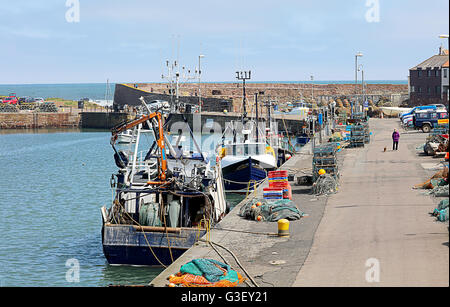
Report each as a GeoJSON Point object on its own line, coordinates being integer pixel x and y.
{"type": "Point", "coordinates": [97, 91]}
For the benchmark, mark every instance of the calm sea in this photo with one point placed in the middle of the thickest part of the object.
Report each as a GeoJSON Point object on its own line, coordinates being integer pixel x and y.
{"type": "Point", "coordinates": [97, 91]}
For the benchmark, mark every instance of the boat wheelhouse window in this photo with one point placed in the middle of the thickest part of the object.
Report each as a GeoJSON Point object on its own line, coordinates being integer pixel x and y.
{"type": "Point", "coordinates": [245, 149]}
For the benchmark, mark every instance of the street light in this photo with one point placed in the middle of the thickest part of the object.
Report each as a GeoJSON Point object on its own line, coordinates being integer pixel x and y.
{"type": "Point", "coordinates": [243, 76]}
{"type": "Point", "coordinates": [359, 54]}
{"type": "Point", "coordinates": [199, 82]}
{"type": "Point", "coordinates": [361, 69]}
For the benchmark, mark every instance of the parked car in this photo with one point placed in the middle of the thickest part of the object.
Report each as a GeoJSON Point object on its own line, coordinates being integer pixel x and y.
{"type": "Point", "coordinates": [426, 120]}
{"type": "Point", "coordinates": [39, 100]}
{"type": "Point", "coordinates": [419, 108]}
{"type": "Point", "coordinates": [26, 99]}
{"type": "Point", "coordinates": [10, 100]}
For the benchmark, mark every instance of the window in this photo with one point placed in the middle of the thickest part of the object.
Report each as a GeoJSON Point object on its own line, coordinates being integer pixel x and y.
{"type": "Point", "coordinates": [422, 115]}
{"type": "Point", "coordinates": [437, 73]}
{"type": "Point", "coordinates": [428, 89]}
{"type": "Point", "coordinates": [438, 89]}
{"type": "Point", "coordinates": [428, 73]}
{"type": "Point", "coordinates": [419, 73]}
{"type": "Point", "coordinates": [445, 72]}
{"type": "Point", "coordinates": [412, 89]}
{"type": "Point", "coordinates": [442, 115]}
{"type": "Point", "coordinates": [419, 88]}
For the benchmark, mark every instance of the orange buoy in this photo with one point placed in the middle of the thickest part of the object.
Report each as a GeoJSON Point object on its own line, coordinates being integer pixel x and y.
{"type": "Point", "coordinates": [258, 204]}
{"type": "Point", "coordinates": [254, 206]}
{"type": "Point", "coordinates": [259, 218]}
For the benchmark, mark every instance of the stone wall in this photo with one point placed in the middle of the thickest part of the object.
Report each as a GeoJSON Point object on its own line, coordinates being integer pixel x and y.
{"type": "Point", "coordinates": [282, 92]}
{"type": "Point", "coordinates": [129, 95]}
{"type": "Point", "coordinates": [37, 120]}
{"type": "Point", "coordinates": [103, 120]}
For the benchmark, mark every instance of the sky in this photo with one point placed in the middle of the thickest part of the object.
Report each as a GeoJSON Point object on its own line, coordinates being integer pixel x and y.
{"type": "Point", "coordinates": [90, 41]}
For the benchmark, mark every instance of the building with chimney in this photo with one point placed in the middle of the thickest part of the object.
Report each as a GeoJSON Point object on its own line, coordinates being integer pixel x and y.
{"type": "Point", "coordinates": [428, 81]}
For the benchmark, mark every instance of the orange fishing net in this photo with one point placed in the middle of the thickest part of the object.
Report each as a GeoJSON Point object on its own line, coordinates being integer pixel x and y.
{"type": "Point", "coordinates": [190, 280]}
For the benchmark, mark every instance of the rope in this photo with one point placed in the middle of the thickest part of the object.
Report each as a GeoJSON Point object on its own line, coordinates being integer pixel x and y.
{"type": "Point", "coordinates": [145, 236]}
{"type": "Point", "coordinates": [235, 258]}
{"type": "Point", "coordinates": [165, 227]}
{"type": "Point", "coordinates": [249, 232]}
{"type": "Point", "coordinates": [246, 182]}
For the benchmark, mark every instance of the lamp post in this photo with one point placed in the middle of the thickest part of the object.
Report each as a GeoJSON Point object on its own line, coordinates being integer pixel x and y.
{"type": "Point", "coordinates": [199, 83]}
{"type": "Point", "coordinates": [359, 54]}
{"type": "Point", "coordinates": [244, 75]}
{"type": "Point", "coordinates": [361, 69]}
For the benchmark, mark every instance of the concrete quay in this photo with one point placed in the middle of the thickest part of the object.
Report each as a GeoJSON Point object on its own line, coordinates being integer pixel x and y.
{"type": "Point", "coordinates": [375, 216]}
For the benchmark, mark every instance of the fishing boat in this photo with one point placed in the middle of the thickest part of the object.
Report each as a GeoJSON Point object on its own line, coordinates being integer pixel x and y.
{"type": "Point", "coordinates": [126, 137]}
{"type": "Point", "coordinates": [250, 149]}
{"type": "Point", "coordinates": [245, 159]}
{"type": "Point", "coordinates": [165, 199]}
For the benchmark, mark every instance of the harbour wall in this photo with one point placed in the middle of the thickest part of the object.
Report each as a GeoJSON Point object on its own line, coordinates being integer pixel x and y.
{"type": "Point", "coordinates": [104, 120]}
{"type": "Point", "coordinates": [129, 95]}
{"type": "Point", "coordinates": [38, 120]}
{"type": "Point", "coordinates": [282, 92]}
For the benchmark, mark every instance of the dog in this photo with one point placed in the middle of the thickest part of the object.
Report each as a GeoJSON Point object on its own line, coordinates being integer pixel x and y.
{"type": "Point", "coordinates": [385, 148]}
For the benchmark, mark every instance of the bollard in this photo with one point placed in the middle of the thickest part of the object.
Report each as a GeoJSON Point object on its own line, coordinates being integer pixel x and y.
{"type": "Point", "coordinates": [283, 228]}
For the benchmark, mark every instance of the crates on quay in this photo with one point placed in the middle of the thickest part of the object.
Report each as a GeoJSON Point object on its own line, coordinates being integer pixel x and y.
{"type": "Point", "coordinates": [325, 158]}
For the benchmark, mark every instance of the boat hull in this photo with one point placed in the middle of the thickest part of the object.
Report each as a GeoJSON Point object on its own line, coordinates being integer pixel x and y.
{"type": "Point", "coordinates": [238, 175]}
{"type": "Point", "coordinates": [124, 245]}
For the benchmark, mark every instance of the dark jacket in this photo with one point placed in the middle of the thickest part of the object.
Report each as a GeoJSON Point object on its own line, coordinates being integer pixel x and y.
{"type": "Point", "coordinates": [395, 136]}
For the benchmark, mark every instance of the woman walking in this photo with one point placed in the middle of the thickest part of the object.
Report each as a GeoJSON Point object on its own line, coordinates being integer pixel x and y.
{"type": "Point", "coordinates": [395, 139]}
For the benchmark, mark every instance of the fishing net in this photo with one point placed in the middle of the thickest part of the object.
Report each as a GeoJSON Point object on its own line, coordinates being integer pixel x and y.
{"type": "Point", "coordinates": [206, 273]}
{"type": "Point", "coordinates": [437, 177]}
{"type": "Point", "coordinates": [441, 212]}
{"type": "Point", "coordinates": [439, 191]}
{"type": "Point", "coordinates": [325, 184]}
{"type": "Point", "coordinates": [270, 210]}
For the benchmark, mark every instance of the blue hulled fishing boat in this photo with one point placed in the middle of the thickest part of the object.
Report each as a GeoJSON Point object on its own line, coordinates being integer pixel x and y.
{"type": "Point", "coordinates": [164, 198]}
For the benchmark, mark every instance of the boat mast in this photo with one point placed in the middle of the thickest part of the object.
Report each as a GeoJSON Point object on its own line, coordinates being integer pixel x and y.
{"type": "Point", "coordinates": [243, 75]}
{"type": "Point", "coordinates": [257, 117]}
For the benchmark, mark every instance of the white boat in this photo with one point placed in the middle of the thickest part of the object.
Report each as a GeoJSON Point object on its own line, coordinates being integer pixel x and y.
{"type": "Point", "coordinates": [126, 137]}
{"type": "Point", "coordinates": [245, 158]}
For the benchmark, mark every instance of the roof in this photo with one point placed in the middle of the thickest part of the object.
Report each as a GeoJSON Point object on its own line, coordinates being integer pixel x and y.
{"type": "Point", "coordinates": [436, 61]}
{"type": "Point", "coordinates": [446, 64]}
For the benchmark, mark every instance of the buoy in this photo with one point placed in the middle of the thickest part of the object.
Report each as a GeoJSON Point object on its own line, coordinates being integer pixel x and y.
{"type": "Point", "coordinates": [283, 228]}
{"type": "Point", "coordinates": [447, 156]}
{"type": "Point", "coordinates": [259, 218]}
{"type": "Point", "coordinates": [322, 172]}
{"type": "Point", "coordinates": [172, 285]}
{"type": "Point", "coordinates": [258, 204]}
{"type": "Point", "coordinates": [254, 206]}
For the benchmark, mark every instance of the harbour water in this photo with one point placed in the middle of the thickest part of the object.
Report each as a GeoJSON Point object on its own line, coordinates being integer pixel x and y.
{"type": "Point", "coordinates": [53, 185]}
